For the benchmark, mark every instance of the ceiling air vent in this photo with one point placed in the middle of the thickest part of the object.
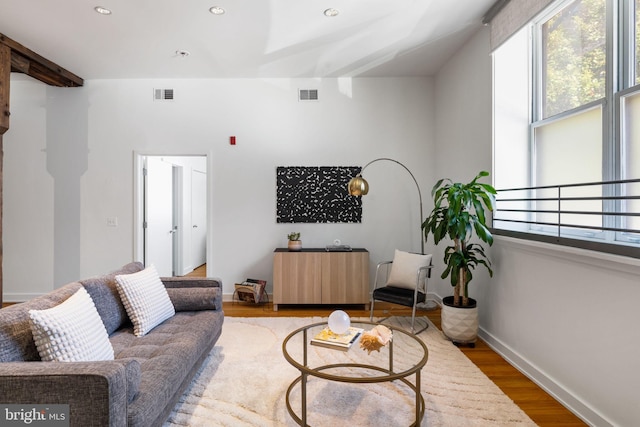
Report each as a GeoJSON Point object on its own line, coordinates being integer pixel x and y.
{"type": "Point", "coordinates": [163, 94]}
{"type": "Point", "coordinates": [308, 95]}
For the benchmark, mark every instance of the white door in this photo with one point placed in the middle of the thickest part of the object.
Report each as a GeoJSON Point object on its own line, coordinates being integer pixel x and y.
{"type": "Point", "coordinates": [198, 217]}
{"type": "Point", "coordinates": [158, 233]}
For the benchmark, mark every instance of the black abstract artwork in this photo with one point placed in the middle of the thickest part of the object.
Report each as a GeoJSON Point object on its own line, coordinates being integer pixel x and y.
{"type": "Point", "coordinates": [316, 194]}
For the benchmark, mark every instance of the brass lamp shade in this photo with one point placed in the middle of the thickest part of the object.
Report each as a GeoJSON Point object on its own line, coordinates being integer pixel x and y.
{"type": "Point", "coordinates": [358, 186]}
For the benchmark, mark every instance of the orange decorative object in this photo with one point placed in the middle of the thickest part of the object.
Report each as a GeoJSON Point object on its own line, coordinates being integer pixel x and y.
{"type": "Point", "coordinates": [376, 338]}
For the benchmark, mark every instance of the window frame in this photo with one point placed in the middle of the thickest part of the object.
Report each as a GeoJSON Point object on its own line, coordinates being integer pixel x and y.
{"type": "Point", "coordinates": [620, 56]}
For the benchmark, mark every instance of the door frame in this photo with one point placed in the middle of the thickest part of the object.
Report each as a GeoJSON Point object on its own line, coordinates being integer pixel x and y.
{"type": "Point", "coordinates": [138, 201]}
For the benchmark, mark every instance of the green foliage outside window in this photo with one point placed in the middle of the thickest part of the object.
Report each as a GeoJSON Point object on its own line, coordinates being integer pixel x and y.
{"type": "Point", "coordinates": [575, 56]}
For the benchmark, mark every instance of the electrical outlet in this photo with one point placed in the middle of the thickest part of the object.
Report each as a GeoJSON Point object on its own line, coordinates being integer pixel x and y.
{"type": "Point", "coordinates": [112, 221]}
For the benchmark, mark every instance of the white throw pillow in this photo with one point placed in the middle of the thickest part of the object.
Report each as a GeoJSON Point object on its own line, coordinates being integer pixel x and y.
{"type": "Point", "coordinates": [145, 299]}
{"type": "Point", "coordinates": [405, 267]}
{"type": "Point", "coordinates": [71, 331]}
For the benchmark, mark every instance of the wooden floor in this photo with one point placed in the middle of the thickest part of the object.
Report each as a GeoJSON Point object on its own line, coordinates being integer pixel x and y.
{"type": "Point", "coordinates": [538, 405]}
{"type": "Point", "coordinates": [534, 401]}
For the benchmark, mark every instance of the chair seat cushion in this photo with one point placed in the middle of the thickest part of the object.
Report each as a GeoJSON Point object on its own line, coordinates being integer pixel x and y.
{"type": "Point", "coordinates": [397, 295]}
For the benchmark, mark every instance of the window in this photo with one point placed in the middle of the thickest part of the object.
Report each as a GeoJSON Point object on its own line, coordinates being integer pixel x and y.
{"type": "Point", "coordinates": [567, 125]}
{"type": "Point", "coordinates": [573, 56]}
{"type": "Point", "coordinates": [636, 49]}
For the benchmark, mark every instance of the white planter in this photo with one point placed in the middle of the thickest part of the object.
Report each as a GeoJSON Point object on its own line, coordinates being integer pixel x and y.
{"type": "Point", "coordinates": [295, 245]}
{"type": "Point", "coordinates": [460, 324]}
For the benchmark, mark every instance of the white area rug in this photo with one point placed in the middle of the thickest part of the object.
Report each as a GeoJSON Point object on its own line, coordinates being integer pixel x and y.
{"type": "Point", "coordinates": [244, 382]}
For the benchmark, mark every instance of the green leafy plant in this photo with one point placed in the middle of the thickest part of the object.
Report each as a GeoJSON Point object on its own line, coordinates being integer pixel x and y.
{"type": "Point", "coordinates": [293, 236]}
{"type": "Point", "coordinates": [459, 214]}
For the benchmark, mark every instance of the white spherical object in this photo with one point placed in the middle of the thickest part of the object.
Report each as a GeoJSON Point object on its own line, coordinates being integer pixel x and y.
{"type": "Point", "coordinates": [339, 322]}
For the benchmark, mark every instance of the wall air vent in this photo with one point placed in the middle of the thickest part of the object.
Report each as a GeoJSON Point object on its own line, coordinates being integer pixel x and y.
{"type": "Point", "coordinates": [163, 94]}
{"type": "Point", "coordinates": [308, 95]}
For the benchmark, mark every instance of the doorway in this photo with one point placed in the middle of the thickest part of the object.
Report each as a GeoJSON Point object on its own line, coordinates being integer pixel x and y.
{"type": "Point", "coordinates": [172, 213]}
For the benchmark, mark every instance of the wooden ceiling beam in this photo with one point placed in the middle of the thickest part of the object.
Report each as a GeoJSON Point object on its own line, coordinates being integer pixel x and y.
{"type": "Point", "coordinates": [19, 63]}
{"type": "Point", "coordinates": [26, 61]}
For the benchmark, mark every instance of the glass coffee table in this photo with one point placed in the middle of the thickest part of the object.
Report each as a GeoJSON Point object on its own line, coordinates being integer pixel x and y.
{"type": "Point", "coordinates": [355, 365]}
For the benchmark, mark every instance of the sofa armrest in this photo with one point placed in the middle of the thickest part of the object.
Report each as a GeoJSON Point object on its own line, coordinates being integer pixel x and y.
{"type": "Point", "coordinates": [195, 299]}
{"type": "Point", "coordinates": [191, 282]}
{"type": "Point", "coordinates": [194, 293]}
{"type": "Point", "coordinates": [96, 392]}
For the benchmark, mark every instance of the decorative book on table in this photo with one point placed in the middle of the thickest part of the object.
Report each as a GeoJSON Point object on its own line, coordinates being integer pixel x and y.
{"type": "Point", "coordinates": [326, 338]}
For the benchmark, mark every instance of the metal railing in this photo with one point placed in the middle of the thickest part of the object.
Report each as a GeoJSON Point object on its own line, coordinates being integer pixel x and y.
{"type": "Point", "coordinates": [603, 215]}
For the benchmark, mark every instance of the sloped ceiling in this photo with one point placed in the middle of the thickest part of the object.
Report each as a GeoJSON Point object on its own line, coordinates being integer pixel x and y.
{"type": "Point", "coordinates": [252, 39]}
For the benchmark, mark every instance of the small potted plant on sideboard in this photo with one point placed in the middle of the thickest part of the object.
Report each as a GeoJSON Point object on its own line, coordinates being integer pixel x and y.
{"type": "Point", "coordinates": [295, 244]}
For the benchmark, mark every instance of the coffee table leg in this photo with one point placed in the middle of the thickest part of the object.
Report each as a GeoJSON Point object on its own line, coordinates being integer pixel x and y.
{"type": "Point", "coordinates": [418, 394]}
{"type": "Point", "coordinates": [303, 398]}
{"type": "Point", "coordinates": [304, 347]}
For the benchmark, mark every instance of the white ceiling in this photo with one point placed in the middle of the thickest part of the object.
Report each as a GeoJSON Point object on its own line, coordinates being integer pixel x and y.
{"type": "Point", "coordinates": [254, 38]}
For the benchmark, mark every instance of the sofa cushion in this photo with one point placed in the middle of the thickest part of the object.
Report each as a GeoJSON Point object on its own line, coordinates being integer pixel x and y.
{"type": "Point", "coordinates": [104, 293]}
{"type": "Point", "coordinates": [167, 356]}
{"type": "Point", "coordinates": [71, 331]}
{"type": "Point", "coordinates": [145, 299]}
{"type": "Point", "coordinates": [16, 338]}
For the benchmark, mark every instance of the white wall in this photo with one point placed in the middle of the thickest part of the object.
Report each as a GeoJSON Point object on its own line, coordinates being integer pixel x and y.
{"type": "Point", "coordinates": [566, 317]}
{"type": "Point", "coordinates": [28, 188]}
{"type": "Point", "coordinates": [463, 130]}
{"type": "Point", "coordinates": [353, 122]}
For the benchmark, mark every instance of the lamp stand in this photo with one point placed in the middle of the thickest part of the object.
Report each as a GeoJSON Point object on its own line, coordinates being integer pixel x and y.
{"type": "Point", "coordinates": [358, 186]}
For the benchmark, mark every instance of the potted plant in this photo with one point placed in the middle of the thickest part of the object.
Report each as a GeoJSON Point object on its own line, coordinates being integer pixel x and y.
{"type": "Point", "coordinates": [295, 244]}
{"type": "Point", "coordinates": [459, 214]}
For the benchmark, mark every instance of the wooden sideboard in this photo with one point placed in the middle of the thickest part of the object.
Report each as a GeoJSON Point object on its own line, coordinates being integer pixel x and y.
{"type": "Point", "coordinates": [316, 276]}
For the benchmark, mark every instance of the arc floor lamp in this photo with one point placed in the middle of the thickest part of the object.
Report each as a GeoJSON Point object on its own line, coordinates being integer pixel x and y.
{"type": "Point", "coordinates": [358, 186]}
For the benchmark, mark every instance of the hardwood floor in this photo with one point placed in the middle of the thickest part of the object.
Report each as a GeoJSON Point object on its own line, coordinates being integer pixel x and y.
{"type": "Point", "coordinates": [199, 271]}
{"type": "Point", "coordinates": [543, 409]}
{"type": "Point", "coordinates": [535, 402]}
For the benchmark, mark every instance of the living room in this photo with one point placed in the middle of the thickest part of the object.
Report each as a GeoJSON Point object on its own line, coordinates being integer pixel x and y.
{"type": "Point", "coordinates": [556, 313]}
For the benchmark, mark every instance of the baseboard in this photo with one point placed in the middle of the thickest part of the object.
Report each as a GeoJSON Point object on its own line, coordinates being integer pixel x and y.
{"type": "Point", "coordinates": [579, 408]}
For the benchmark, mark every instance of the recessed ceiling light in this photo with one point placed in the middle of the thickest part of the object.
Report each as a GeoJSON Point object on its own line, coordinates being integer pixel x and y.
{"type": "Point", "coordinates": [331, 12]}
{"type": "Point", "coordinates": [216, 10]}
{"type": "Point", "coordinates": [102, 10]}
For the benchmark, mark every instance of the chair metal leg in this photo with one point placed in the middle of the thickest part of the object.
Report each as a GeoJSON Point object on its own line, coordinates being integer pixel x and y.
{"type": "Point", "coordinates": [422, 272]}
{"type": "Point", "coordinates": [413, 330]}
{"type": "Point", "coordinates": [413, 319]}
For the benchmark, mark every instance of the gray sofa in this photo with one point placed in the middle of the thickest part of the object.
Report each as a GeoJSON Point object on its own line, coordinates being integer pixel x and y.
{"type": "Point", "coordinates": [149, 373]}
